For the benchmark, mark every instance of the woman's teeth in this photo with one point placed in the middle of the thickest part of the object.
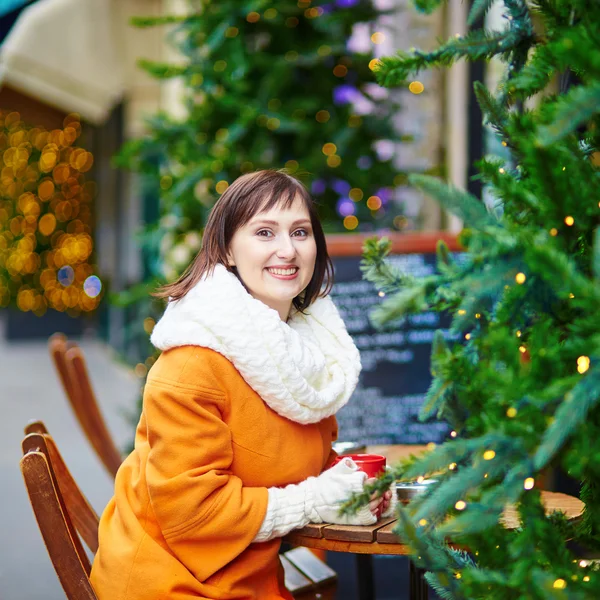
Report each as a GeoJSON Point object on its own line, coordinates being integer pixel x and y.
{"type": "Point", "coordinates": [283, 271]}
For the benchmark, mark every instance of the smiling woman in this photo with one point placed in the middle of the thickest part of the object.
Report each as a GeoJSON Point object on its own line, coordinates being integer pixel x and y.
{"type": "Point", "coordinates": [233, 449]}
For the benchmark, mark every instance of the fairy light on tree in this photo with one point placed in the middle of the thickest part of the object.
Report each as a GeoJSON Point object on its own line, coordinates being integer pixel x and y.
{"type": "Point", "coordinates": [46, 219]}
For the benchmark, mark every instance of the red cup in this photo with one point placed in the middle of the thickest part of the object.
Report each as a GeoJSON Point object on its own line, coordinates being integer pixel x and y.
{"type": "Point", "coordinates": [372, 464]}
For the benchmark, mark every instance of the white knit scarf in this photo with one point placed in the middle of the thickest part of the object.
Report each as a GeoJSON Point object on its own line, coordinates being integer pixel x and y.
{"type": "Point", "coordinates": [305, 369]}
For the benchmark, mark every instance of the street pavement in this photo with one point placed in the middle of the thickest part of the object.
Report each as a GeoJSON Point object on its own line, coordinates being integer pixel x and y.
{"type": "Point", "coordinates": [30, 389]}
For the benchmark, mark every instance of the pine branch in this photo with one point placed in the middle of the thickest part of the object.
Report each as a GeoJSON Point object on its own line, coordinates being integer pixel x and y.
{"type": "Point", "coordinates": [570, 415]}
{"type": "Point", "coordinates": [458, 202]}
{"type": "Point", "coordinates": [495, 114]}
{"type": "Point", "coordinates": [394, 70]}
{"type": "Point", "coordinates": [574, 109]}
{"type": "Point", "coordinates": [478, 10]}
{"type": "Point", "coordinates": [596, 255]}
{"type": "Point", "coordinates": [142, 22]}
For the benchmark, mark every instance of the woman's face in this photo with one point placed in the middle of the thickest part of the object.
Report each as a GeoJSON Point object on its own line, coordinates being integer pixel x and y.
{"type": "Point", "coordinates": [275, 255]}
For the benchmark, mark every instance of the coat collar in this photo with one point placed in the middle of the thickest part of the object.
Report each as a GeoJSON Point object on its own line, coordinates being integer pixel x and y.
{"type": "Point", "coordinates": [305, 369]}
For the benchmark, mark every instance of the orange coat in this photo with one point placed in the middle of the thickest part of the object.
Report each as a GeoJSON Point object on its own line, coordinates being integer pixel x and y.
{"type": "Point", "coordinates": [192, 495]}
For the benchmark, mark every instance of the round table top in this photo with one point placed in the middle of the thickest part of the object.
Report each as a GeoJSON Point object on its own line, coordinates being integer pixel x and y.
{"type": "Point", "coordinates": [380, 538]}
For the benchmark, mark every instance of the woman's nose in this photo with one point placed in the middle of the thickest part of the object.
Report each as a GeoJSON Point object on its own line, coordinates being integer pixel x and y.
{"type": "Point", "coordinates": [286, 247]}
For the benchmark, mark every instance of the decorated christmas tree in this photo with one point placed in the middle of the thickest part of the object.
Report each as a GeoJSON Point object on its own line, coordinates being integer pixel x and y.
{"type": "Point", "coordinates": [521, 390]}
{"type": "Point", "coordinates": [268, 85]}
{"type": "Point", "coordinates": [46, 219]}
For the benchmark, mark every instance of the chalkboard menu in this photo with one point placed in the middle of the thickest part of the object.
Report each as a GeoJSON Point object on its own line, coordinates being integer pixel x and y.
{"type": "Point", "coordinates": [396, 360]}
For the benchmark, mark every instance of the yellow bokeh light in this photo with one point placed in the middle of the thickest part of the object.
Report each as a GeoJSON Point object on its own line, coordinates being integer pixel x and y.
{"type": "Point", "coordinates": [291, 22]}
{"type": "Point", "coordinates": [511, 412]}
{"type": "Point", "coordinates": [324, 50]}
{"type": "Point", "coordinates": [231, 32]}
{"type": "Point", "coordinates": [378, 37]}
{"type": "Point", "coordinates": [356, 194]}
{"type": "Point", "coordinates": [423, 522]}
{"type": "Point", "coordinates": [374, 64]}
{"type": "Point", "coordinates": [329, 149]}
{"type": "Point", "coordinates": [350, 222]}
{"type": "Point", "coordinates": [453, 434]}
{"type": "Point", "coordinates": [559, 584]}
{"type": "Point", "coordinates": [322, 116]}
{"type": "Point", "coordinates": [489, 455]}
{"type": "Point", "coordinates": [520, 278]}
{"type": "Point", "coordinates": [270, 13]}
{"type": "Point", "coordinates": [460, 505]}
{"type": "Point", "coordinates": [291, 55]}
{"type": "Point", "coordinates": [583, 364]}
{"type": "Point", "coordinates": [221, 186]}
{"type": "Point", "coordinates": [374, 202]}
{"type": "Point", "coordinates": [220, 66]}
{"type": "Point", "coordinates": [47, 224]}
{"type": "Point", "coordinates": [569, 221]}
{"type": "Point", "coordinates": [292, 165]}
{"type": "Point", "coordinates": [467, 336]}
{"type": "Point", "coordinates": [252, 17]}
{"type": "Point", "coordinates": [334, 161]}
{"type": "Point", "coordinates": [273, 123]}
{"type": "Point", "coordinates": [586, 578]}
{"type": "Point", "coordinates": [452, 466]}
{"type": "Point", "coordinates": [529, 483]}
{"type": "Point", "coordinates": [354, 121]}
{"type": "Point", "coordinates": [554, 232]}
{"type": "Point", "coordinates": [416, 87]}
{"type": "Point", "coordinates": [340, 70]}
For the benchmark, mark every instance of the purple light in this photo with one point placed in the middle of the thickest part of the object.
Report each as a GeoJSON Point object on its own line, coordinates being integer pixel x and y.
{"type": "Point", "coordinates": [66, 275]}
{"type": "Point", "coordinates": [364, 162]}
{"type": "Point", "coordinates": [344, 94]}
{"type": "Point", "coordinates": [318, 186]}
{"type": "Point", "coordinates": [345, 207]}
{"type": "Point", "coordinates": [346, 3]}
{"type": "Point", "coordinates": [385, 194]}
{"type": "Point", "coordinates": [341, 187]}
{"type": "Point", "coordinates": [92, 286]}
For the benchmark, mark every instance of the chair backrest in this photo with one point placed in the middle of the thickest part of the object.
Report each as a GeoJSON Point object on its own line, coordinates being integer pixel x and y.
{"type": "Point", "coordinates": [80, 511]}
{"type": "Point", "coordinates": [49, 506]}
{"type": "Point", "coordinates": [72, 370]}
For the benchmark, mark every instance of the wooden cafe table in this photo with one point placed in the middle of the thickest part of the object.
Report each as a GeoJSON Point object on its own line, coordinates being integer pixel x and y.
{"type": "Point", "coordinates": [379, 539]}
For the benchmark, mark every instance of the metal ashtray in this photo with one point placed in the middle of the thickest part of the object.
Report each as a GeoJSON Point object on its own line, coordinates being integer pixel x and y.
{"type": "Point", "coordinates": [349, 447]}
{"type": "Point", "coordinates": [406, 491]}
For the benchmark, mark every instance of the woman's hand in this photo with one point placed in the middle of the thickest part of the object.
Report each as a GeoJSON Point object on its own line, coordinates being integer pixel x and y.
{"type": "Point", "coordinates": [379, 504]}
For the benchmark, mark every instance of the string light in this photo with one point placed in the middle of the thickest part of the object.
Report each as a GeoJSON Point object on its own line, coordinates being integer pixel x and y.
{"type": "Point", "coordinates": [522, 349]}
{"type": "Point", "coordinates": [554, 232]}
{"type": "Point", "coordinates": [423, 522]}
{"type": "Point", "coordinates": [501, 170]}
{"type": "Point", "coordinates": [559, 584]}
{"type": "Point", "coordinates": [460, 505]}
{"type": "Point", "coordinates": [252, 17]}
{"type": "Point", "coordinates": [467, 336]}
{"type": "Point", "coordinates": [420, 479]}
{"type": "Point", "coordinates": [571, 295]}
{"type": "Point", "coordinates": [378, 37]}
{"type": "Point", "coordinates": [329, 149]}
{"type": "Point", "coordinates": [478, 315]}
{"type": "Point", "coordinates": [462, 312]}
{"type": "Point", "coordinates": [356, 194]}
{"type": "Point", "coordinates": [520, 278]}
{"type": "Point", "coordinates": [489, 455]}
{"type": "Point", "coordinates": [453, 434]}
{"type": "Point", "coordinates": [381, 294]}
{"type": "Point", "coordinates": [511, 413]}
{"type": "Point", "coordinates": [529, 483]}
{"type": "Point", "coordinates": [350, 222]}
{"type": "Point", "coordinates": [452, 466]}
{"type": "Point", "coordinates": [416, 87]}
{"type": "Point", "coordinates": [569, 221]}
{"type": "Point", "coordinates": [586, 578]}
{"type": "Point", "coordinates": [583, 564]}
{"type": "Point", "coordinates": [583, 364]}
{"type": "Point", "coordinates": [518, 334]}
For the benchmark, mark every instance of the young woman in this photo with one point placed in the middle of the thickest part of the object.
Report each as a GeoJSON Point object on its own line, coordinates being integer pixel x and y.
{"type": "Point", "coordinates": [233, 448]}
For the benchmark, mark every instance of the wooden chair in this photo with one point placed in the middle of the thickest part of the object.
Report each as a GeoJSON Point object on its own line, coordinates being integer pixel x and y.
{"type": "Point", "coordinates": [54, 519]}
{"type": "Point", "coordinates": [64, 516]}
{"type": "Point", "coordinates": [72, 371]}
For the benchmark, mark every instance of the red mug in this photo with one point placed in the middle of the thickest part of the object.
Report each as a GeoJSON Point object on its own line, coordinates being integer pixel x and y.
{"type": "Point", "coordinates": [372, 464]}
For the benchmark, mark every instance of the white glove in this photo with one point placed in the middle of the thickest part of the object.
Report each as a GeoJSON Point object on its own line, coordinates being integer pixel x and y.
{"type": "Point", "coordinates": [315, 500]}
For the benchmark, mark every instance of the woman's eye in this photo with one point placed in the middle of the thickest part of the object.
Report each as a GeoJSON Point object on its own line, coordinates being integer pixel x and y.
{"type": "Point", "coordinates": [303, 231]}
{"type": "Point", "coordinates": [263, 231]}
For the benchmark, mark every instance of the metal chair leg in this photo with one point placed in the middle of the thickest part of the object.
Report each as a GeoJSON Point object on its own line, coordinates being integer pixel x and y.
{"type": "Point", "coordinates": [419, 590]}
{"type": "Point", "coordinates": [366, 580]}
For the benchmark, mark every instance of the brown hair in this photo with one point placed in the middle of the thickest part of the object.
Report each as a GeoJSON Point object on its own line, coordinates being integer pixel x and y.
{"type": "Point", "coordinates": [239, 203]}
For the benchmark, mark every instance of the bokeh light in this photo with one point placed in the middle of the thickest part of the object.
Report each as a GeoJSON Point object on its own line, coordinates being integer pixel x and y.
{"type": "Point", "coordinates": [92, 286]}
